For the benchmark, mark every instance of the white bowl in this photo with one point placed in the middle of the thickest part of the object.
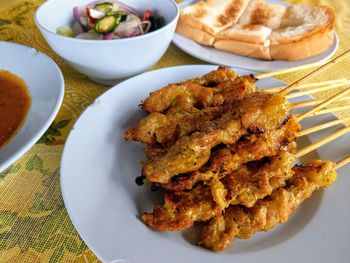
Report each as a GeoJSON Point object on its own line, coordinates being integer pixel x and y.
{"type": "Point", "coordinates": [107, 61]}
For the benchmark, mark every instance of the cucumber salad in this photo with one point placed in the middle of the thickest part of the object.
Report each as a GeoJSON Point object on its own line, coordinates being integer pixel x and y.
{"type": "Point", "coordinates": [110, 20]}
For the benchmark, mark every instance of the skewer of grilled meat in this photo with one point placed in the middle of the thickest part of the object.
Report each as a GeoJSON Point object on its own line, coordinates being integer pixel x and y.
{"type": "Point", "coordinates": [181, 119]}
{"type": "Point", "coordinates": [182, 208]}
{"type": "Point", "coordinates": [228, 158]}
{"type": "Point", "coordinates": [210, 90]}
{"type": "Point", "coordinates": [242, 222]}
{"type": "Point", "coordinates": [255, 113]}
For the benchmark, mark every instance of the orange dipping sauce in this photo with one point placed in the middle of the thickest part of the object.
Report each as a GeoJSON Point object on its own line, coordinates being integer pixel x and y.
{"type": "Point", "coordinates": [15, 101]}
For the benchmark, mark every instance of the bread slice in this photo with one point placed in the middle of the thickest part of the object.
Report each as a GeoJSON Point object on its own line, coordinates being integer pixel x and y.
{"type": "Point", "coordinates": [209, 17]}
{"type": "Point", "coordinates": [262, 13]}
{"type": "Point", "coordinates": [243, 48]}
{"type": "Point", "coordinates": [252, 30]}
{"type": "Point", "coordinates": [306, 30]}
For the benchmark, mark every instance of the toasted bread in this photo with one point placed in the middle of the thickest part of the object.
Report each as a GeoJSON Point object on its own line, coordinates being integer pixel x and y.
{"type": "Point", "coordinates": [260, 29]}
{"type": "Point", "coordinates": [208, 18]}
{"type": "Point", "coordinates": [249, 37]}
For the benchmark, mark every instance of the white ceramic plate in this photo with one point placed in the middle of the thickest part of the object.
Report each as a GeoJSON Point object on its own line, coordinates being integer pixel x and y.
{"type": "Point", "coordinates": [215, 56]}
{"type": "Point", "coordinates": [46, 85]}
{"type": "Point", "coordinates": [98, 170]}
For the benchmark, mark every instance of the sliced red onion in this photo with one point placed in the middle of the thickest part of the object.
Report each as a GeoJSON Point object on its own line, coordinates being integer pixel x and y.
{"type": "Point", "coordinates": [146, 26]}
{"type": "Point", "coordinates": [78, 14]}
{"type": "Point", "coordinates": [126, 29]}
{"type": "Point", "coordinates": [136, 33]}
{"type": "Point", "coordinates": [83, 21]}
{"type": "Point", "coordinates": [107, 36]}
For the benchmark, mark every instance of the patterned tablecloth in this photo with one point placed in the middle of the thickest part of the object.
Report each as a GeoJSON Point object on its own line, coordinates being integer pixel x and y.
{"type": "Point", "coordinates": [34, 224]}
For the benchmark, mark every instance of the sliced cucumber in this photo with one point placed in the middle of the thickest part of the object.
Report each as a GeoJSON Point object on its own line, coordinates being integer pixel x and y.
{"type": "Point", "coordinates": [105, 7]}
{"type": "Point", "coordinates": [121, 16]}
{"type": "Point", "coordinates": [65, 31]}
{"type": "Point", "coordinates": [106, 24]}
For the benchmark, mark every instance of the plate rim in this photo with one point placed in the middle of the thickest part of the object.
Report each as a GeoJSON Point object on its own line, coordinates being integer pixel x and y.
{"type": "Point", "coordinates": [36, 136]}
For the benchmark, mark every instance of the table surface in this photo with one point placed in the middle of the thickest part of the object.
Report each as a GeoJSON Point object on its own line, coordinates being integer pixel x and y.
{"type": "Point", "coordinates": [34, 224]}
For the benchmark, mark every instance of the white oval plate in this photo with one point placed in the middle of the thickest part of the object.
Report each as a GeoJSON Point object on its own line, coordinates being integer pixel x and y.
{"type": "Point", "coordinates": [46, 85]}
{"type": "Point", "coordinates": [98, 170]}
{"type": "Point", "coordinates": [219, 57]}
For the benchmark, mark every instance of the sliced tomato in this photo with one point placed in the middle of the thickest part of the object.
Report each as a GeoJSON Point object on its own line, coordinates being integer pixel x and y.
{"type": "Point", "coordinates": [147, 15]}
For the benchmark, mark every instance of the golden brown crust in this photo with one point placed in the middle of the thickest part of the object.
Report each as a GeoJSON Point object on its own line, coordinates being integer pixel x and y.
{"type": "Point", "coordinates": [231, 13]}
{"type": "Point", "coordinates": [261, 14]}
{"type": "Point", "coordinates": [307, 47]}
{"type": "Point", "coordinates": [244, 48]}
{"type": "Point", "coordinates": [195, 34]}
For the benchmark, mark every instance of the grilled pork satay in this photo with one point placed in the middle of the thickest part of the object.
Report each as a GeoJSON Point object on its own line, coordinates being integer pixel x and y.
{"type": "Point", "coordinates": [166, 128]}
{"type": "Point", "coordinates": [241, 222]}
{"type": "Point", "coordinates": [247, 184]}
{"type": "Point", "coordinates": [182, 119]}
{"type": "Point", "coordinates": [181, 209]}
{"type": "Point", "coordinates": [226, 159]}
{"type": "Point", "coordinates": [255, 113]}
{"type": "Point", "coordinates": [204, 91]}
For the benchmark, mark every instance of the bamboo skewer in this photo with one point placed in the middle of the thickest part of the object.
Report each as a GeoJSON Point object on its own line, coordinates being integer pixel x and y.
{"type": "Point", "coordinates": [322, 126]}
{"type": "Point", "coordinates": [311, 85]}
{"type": "Point", "coordinates": [330, 63]}
{"type": "Point", "coordinates": [322, 142]}
{"type": "Point", "coordinates": [315, 90]}
{"type": "Point", "coordinates": [288, 70]}
{"type": "Point", "coordinates": [307, 103]}
{"type": "Point", "coordinates": [330, 110]}
{"type": "Point", "coordinates": [342, 162]}
{"type": "Point", "coordinates": [322, 105]}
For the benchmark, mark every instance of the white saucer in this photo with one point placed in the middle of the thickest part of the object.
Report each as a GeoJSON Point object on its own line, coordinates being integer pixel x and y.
{"type": "Point", "coordinates": [46, 85]}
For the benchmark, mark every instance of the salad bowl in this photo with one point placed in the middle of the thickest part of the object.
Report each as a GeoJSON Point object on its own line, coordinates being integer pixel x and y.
{"type": "Point", "coordinates": [107, 61]}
